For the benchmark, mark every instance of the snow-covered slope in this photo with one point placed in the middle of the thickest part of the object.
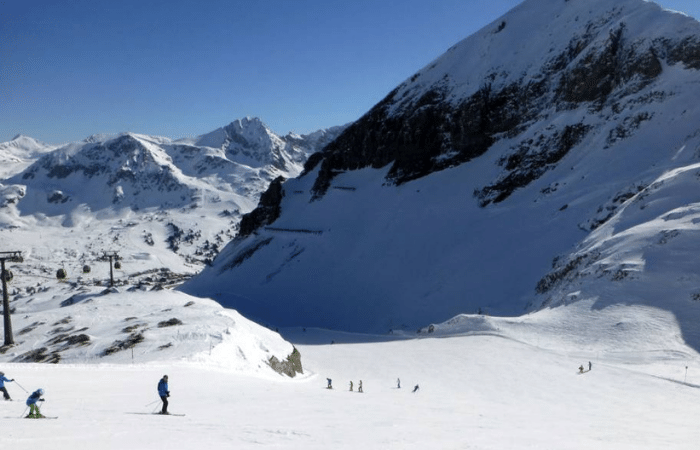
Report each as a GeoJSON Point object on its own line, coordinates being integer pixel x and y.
{"type": "Point", "coordinates": [17, 154]}
{"type": "Point", "coordinates": [79, 323]}
{"type": "Point", "coordinates": [459, 191]}
{"type": "Point", "coordinates": [478, 390]}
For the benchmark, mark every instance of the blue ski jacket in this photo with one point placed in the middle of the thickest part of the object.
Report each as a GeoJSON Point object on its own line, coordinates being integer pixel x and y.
{"type": "Point", "coordinates": [36, 395]}
{"type": "Point", "coordinates": [163, 388]}
{"type": "Point", "coordinates": [2, 380]}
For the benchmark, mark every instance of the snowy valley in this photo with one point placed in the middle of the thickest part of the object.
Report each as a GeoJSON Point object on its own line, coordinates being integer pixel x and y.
{"type": "Point", "coordinates": [511, 235]}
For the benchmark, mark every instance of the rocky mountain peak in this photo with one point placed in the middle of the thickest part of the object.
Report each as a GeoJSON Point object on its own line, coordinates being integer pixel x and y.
{"type": "Point", "coordinates": [542, 58]}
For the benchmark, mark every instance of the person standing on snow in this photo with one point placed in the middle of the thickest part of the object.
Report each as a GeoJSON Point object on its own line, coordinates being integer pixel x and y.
{"type": "Point", "coordinates": [34, 411]}
{"type": "Point", "coordinates": [164, 393]}
{"type": "Point", "coordinates": [359, 387]}
{"type": "Point", "coordinates": [3, 389]}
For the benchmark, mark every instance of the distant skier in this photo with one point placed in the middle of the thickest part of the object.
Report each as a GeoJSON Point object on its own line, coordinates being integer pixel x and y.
{"type": "Point", "coordinates": [34, 412]}
{"type": "Point", "coordinates": [415, 388]}
{"type": "Point", "coordinates": [330, 383]}
{"type": "Point", "coordinates": [580, 369]}
{"type": "Point", "coordinates": [164, 393]}
{"type": "Point", "coordinates": [590, 366]}
{"type": "Point", "coordinates": [398, 383]}
{"type": "Point", "coordinates": [351, 386]}
{"type": "Point", "coordinates": [359, 387]}
{"type": "Point", "coordinates": [3, 389]}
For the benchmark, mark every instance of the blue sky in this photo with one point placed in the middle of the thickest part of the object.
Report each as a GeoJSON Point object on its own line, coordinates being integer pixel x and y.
{"type": "Point", "coordinates": [178, 68]}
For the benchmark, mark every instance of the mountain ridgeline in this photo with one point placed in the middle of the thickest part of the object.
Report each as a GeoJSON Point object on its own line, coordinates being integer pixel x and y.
{"type": "Point", "coordinates": [468, 186]}
{"type": "Point", "coordinates": [188, 194]}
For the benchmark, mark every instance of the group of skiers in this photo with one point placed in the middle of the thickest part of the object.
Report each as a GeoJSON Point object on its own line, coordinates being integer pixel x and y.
{"type": "Point", "coordinates": [359, 386]}
{"type": "Point", "coordinates": [36, 396]}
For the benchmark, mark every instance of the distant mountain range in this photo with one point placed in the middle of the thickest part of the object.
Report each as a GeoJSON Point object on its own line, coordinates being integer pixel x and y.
{"type": "Point", "coordinates": [190, 192]}
{"type": "Point", "coordinates": [510, 174]}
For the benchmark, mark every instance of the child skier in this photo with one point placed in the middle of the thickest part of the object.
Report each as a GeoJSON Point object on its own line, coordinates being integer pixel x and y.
{"type": "Point", "coordinates": [34, 412]}
{"type": "Point", "coordinates": [164, 393]}
{"type": "Point", "coordinates": [3, 389]}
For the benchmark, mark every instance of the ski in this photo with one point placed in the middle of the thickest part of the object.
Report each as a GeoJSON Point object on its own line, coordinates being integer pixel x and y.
{"type": "Point", "coordinates": [157, 414]}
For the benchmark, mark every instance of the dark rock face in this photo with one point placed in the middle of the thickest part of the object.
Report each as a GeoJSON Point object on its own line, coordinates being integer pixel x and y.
{"type": "Point", "coordinates": [268, 209]}
{"type": "Point", "coordinates": [531, 160]}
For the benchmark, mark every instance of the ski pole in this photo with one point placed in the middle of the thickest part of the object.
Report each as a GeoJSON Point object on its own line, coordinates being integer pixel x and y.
{"type": "Point", "coordinates": [154, 401]}
{"type": "Point", "coordinates": [20, 386]}
{"type": "Point", "coordinates": [25, 410]}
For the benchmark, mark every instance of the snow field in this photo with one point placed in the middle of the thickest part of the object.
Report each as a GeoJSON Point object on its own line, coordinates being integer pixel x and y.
{"type": "Point", "coordinates": [476, 392]}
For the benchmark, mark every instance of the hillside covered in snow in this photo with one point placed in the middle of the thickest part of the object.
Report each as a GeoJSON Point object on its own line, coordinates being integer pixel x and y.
{"type": "Point", "coordinates": [510, 174]}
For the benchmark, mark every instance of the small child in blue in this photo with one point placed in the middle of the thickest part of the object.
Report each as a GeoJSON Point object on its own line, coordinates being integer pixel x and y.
{"type": "Point", "coordinates": [3, 389]}
{"type": "Point", "coordinates": [34, 412]}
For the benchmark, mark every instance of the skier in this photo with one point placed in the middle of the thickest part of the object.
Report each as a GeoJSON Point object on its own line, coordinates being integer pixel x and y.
{"type": "Point", "coordinates": [3, 389]}
{"type": "Point", "coordinates": [359, 387]}
{"type": "Point", "coordinates": [415, 389]}
{"type": "Point", "coordinates": [590, 366]}
{"type": "Point", "coordinates": [398, 383]}
{"type": "Point", "coordinates": [351, 386]}
{"type": "Point", "coordinates": [580, 369]}
{"type": "Point", "coordinates": [330, 383]}
{"type": "Point", "coordinates": [34, 412]}
{"type": "Point", "coordinates": [164, 393]}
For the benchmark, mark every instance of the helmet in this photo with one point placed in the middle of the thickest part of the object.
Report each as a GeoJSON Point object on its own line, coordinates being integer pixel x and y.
{"type": "Point", "coordinates": [41, 392]}
{"type": "Point", "coordinates": [2, 374]}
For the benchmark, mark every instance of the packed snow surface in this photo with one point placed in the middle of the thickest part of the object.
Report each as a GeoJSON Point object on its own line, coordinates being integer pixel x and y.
{"type": "Point", "coordinates": [484, 383]}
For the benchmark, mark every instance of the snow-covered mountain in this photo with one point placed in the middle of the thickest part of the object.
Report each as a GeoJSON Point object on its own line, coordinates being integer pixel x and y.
{"type": "Point", "coordinates": [481, 182]}
{"type": "Point", "coordinates": [160, 202]}
{"type": "Point", "coordinates": [19, 153]}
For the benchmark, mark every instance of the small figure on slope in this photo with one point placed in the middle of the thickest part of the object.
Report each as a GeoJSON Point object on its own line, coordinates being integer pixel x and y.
{"type": "Point", "coordinates": [398, 383]}
{"type": "Point", "coordinates": [3, 389]}
{"type": "Point", "coordinates": [580, 369]}
{"type": "Point", "coordinates": [415, 388]}
{"type": "Point", "coordinates": [590, 366]}
{"type": "Point", "coordinates": [164, 393]}
{"type": "Point", "coordinates": [34, 412]}
{"type": "Point", "coordinates": [330, 383]}
{"type": "Point", "coordinates": [351, 386]}
{"type": "Point", "coordinates": [359, 387]}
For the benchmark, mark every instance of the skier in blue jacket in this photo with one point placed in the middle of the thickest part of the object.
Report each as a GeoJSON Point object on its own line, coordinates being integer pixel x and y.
{"type": "Point", "coordinates": [34, 412]}
{"type": "Point", "coordinates": [164, 393]}
{"type": "Point", "coordinates": [3, 389]}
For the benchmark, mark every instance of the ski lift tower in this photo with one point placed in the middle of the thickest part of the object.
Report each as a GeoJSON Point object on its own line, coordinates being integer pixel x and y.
{"type": "Point", "coordinates": [15, 257]}
{"type": "Point", "coordinates": [111, 256]}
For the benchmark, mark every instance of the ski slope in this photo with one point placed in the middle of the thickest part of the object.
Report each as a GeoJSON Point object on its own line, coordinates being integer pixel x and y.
{"type": "Point", "coordinates": [487, 386]}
